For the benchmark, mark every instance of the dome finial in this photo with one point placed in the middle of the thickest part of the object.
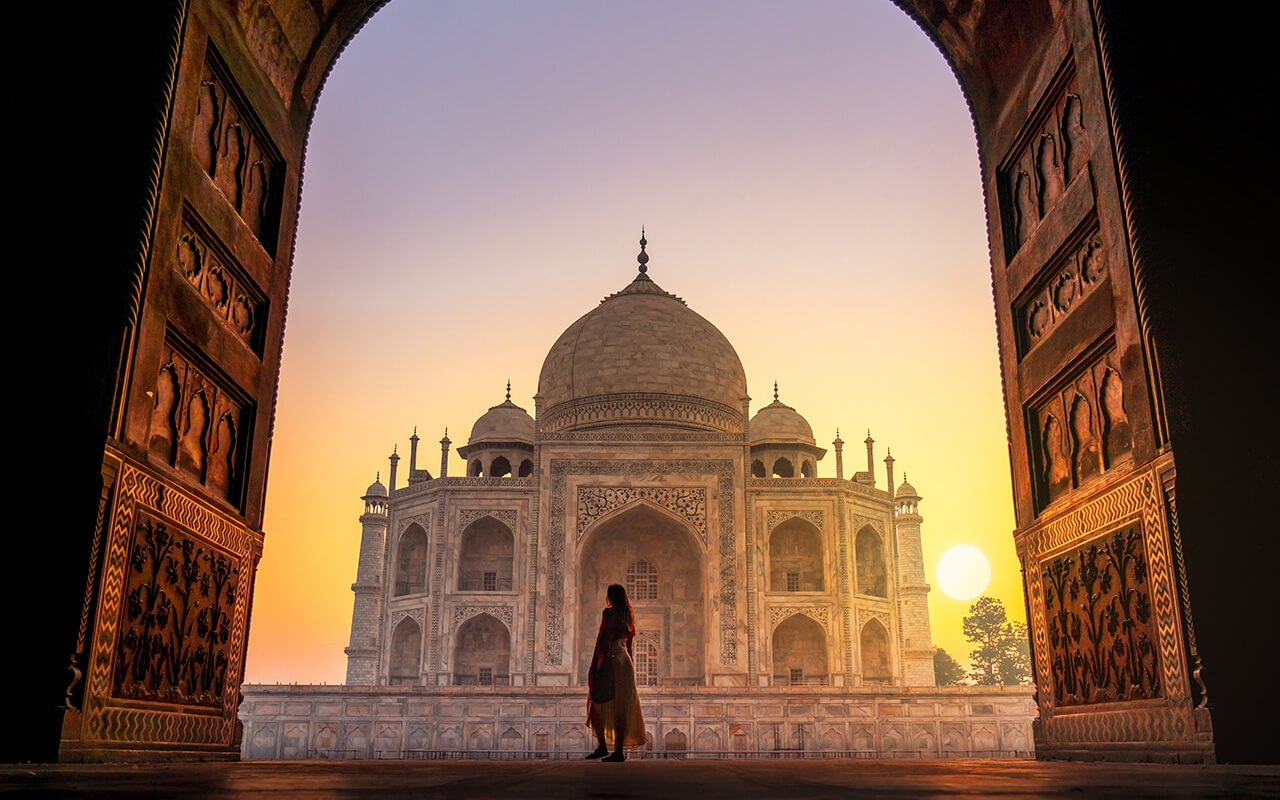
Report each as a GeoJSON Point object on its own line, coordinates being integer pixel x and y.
{"type": "Point", "coordinates": [377, 476]}
{"type": "Point", "coordinates": [508, 390]}
{"type": "Point", "coordinates": [643, 258]}
{"type": "Point", "coordinates": [775, 391]}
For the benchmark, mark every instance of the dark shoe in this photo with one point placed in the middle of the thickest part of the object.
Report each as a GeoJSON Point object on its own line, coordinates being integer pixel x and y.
{"type": "Point", "coordinates": [616, 756]}
{"type": "Point", "coordinates": [599, 751]}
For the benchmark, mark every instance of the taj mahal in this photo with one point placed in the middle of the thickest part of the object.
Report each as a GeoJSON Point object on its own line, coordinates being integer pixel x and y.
{"type": "Point", "coordinates": [778, 612]}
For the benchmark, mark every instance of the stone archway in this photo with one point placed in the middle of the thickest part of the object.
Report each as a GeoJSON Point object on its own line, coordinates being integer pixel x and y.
{"type": "Point", "coordinates": [669, 605]}
{"type": "Point", "coordinates": [1029, 71]}
{"type": "Point", "coordinates": [800, 655]}
{"type": "Point", "coordinates": [482, 652]}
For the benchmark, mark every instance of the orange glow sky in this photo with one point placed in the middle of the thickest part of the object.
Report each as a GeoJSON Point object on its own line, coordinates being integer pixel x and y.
{"type": "Point", "coordinates": [476, 179]}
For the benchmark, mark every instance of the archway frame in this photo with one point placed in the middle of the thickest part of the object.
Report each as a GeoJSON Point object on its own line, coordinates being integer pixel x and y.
{"type": "Point", "coordinates": [574, 605]}
{"type": "Point", "coordinates": [1011, 68]}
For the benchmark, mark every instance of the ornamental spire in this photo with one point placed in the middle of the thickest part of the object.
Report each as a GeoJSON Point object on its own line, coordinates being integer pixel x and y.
{"type": "Point", "coordinates": [775, 391]}
{"type": "Point", "coordinates": [508, 390]}
{"type": "Point", "coordinates": [643, 257]}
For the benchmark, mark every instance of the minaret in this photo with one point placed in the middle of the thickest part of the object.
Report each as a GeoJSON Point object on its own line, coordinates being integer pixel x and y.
{"type": "Point", "coordinates": [888, 467]}
{"type": "Point", "coordinates": [838, 444]}
{"type": "Point", "coordinates": [871, 460]}
{"type": "Point", "coordinates": [394, 458]}
{"type": "Point", "coordinates": [444, 448]}
{"type": "Point", "coordinates": [913, 590]}
{"type": "Point", "coordinates": [413, 453]}
{"type": "Point", "coordinates": [362, 652]}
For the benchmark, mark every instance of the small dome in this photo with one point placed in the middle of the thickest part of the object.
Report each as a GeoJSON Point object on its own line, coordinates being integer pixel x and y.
{"type": "Point", "coordinates": [376, 489]}
{"type": "Point", "coordinates": [778, 423]}
{"type": "Point", "coordinates": [906, 489]}
{"type": "Point", "coordinates": [507, 422]}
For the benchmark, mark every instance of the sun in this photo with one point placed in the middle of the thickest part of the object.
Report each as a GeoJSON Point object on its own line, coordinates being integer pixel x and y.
{"type": "Point", "coordinates": [963, 572]}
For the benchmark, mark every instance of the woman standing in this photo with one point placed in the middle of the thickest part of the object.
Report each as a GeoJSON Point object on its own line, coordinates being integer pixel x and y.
{"type": "Point", "coordinates": [613, 711]}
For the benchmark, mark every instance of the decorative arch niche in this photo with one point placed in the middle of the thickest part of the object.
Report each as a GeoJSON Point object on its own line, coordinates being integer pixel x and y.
{"type": "Point", "coordinates": [872, 573]}
{"type": "Point", "coordinates": [406, 653]}
{"type": "Point", "coordinates": [411, 562]}
{"type": "Point", "coordinates": [795, 557]}
{"type": "Point", "coordinates": [486, 557]}
{"type": "Point", "coordinates": [876, 661]}
{"type": "Point", "coordinates": [482, 652]}
{"type": "Point", "coordinates": [800, 652]}
{"type": "Point", "coordinates": [676, 615]}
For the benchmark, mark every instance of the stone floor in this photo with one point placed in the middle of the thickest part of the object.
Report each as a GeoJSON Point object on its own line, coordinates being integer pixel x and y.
{"type": "Point", "coordinates": [665, 780]}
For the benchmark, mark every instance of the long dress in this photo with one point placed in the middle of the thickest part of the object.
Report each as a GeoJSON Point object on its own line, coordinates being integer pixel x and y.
{"type": "Point", "coordinates": [618, 719]}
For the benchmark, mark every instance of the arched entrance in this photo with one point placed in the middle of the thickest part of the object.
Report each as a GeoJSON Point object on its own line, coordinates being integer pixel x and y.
{"type": "Point", "coordinates": [656, 557]}
{"type": "Point", "coordinates": [482, 652]}
{"type": "Point", "coordinates": [800, 652]}
{"type": "Point", "coordinates": [486, 557]}
{"type": "Point", "coordinates": [795, 557]}
{"type": "Point", "coordinates": [1009, 59]}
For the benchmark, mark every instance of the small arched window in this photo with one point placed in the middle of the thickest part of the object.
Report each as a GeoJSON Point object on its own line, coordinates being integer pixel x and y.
{"type": "Point", "coordinates": [782, 468]}
{"type": "Point", "coordinates": [499, 468]}
{"type": "Point", "coordinates": [474, 469]}
{"type": "Point", "coordinates": [806, 469]}
{"type": "Point", "coordinates": [642, 581]}
{"type": "Point", "coordinates": [757, 469]}
{"type": "Point", "coordinates": [526, 468]}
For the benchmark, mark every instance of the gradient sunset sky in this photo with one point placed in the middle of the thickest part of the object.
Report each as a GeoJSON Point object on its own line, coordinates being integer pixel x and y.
{"type": "Point", "coordinates": [476, 179]}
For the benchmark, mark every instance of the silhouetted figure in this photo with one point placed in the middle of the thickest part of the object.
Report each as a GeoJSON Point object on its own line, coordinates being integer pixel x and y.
{"type": "Point", "coordinates": [613, 711]}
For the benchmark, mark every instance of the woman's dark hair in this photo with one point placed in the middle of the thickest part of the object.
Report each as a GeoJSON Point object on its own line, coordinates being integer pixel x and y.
{"type": "Point", "coordinates": [617, 594]}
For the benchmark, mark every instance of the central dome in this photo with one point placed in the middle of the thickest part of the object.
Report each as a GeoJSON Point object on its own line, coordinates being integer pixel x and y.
{"type": "Point", "coordinates": [642, 357]}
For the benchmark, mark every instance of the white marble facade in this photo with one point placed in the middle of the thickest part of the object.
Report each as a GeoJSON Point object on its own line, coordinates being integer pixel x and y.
{"type": "Point", "coordinates": [754, 582]}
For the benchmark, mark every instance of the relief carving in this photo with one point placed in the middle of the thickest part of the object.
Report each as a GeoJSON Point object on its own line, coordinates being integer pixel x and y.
{"type": "Point", "coordinates": [225, 287]}
{"type": "Point", "coordinates": [197, 426]}
{"type": "Point", "coordinates": [1055, 475]}
{"type": "Point", "coordinates": [1052, 150]}
{"type": "Point", "coordinates": [690, 504]}
{"type": "Point", "coordinates": [1069, 279]}
{"type": "Point", "coordinates": [1074, 136]}
{"type": "Point", "coordinates": [178, 604]}
{"type": "Point", "coordinates": [1101, 630]}
{"type": "Point", "coordinates": [1025, 211]}
{"type": "Point", "coordinates": [1085, 462]}
{"type": "Point", "coordinates": [1083, 428]}
{"type": "Point", "coordinates": [230, 145]}
{"type": "Point", "coordinates": [1049, 173]}
{"type": "Point", "coordinates": [1115, 421]}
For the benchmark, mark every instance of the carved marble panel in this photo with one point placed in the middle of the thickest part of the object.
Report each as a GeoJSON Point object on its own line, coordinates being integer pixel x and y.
{"type": "Point", "coordinates": [819, 614]}
{"type": "Point", "coordinates": [220, 281]}
{"type": "Point", "coordinates": [1100, 625]}
{"type": "Point", "coordinates": [1081, 428]}
{"type": "Point", "coordinates": [775, 518]}
{"type": "Point", "coordinates": [199, 425]}
{"type": "Point", "coordinates": [179, 597]}
{"type": "Point", "coordinates": [506, 516]}
{"type": "Point", "coordinates": [168, 640]}
{"type": "Point", "coordinates": [1104, 619]}
{"type": "Point", "coordinates": [232, 147]}
{"type": "Point", "coordinates": [1051, 150]}
{"type": "Point", "coordinates": [1063, 284]}
{"type": "Point", "coordinates": [688, 503]}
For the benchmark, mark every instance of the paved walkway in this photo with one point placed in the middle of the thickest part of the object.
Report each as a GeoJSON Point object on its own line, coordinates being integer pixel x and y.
{"type": "Point", "coordinates": [659, 780]}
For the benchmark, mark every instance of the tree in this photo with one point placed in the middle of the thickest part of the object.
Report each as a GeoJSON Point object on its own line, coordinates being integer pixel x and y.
{"type": "Point", "coordinates": [1015, 664]}
{"type": "Point", "coordinates": [946, 669]}
{"type": "Point", "coordinates": [1001, 653]}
